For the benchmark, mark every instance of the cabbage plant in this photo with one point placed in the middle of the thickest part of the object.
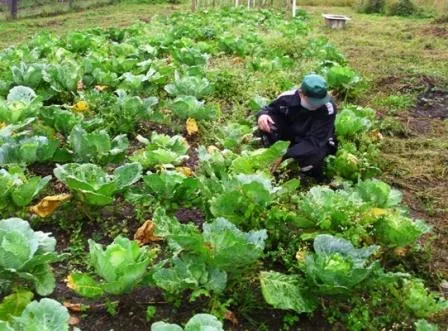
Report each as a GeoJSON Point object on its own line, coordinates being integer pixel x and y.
{"type": "Point", "coordinates": [336, 266]}
{"type": "Point", "coordinates": [162, 149]}
{"type": "Point", "coordinates": [188, 106]}
{"type": "Point", "coordinates": [21, 103]}
{"type": "Point", "coordinates": [97, 146]}
{"type": "Point", "coordinates": [120, 266]}
{"type": "Point", "coordinates": [92, 185]}
{"type": "Point", "coordinates": [378, 193]}
{"type": "Point", "coordinates": [393, 229]}
{"type": "Point", "coordinates": [203, 261]}
{"type": "Point", "coordinates": [44, 315]}
{"type": "Point", "coordinates": [16, 187]}
{"type": "Point", "coordinates": [199, 322]}
{"type": "Point", "coordinates": [189, 85]}
{"type": "Point", "coordinates": [28, 74]}
{"type": "Point", "coordinates": [25, 256]}
{"type": "Point", "coordinates": [19, 146]}
{"type": "Point", "coordinates": [352, 121]}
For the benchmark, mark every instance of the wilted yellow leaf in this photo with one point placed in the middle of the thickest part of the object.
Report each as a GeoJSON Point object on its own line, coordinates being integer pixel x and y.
{"type": "Point", "coordinates": [192, 126]}
{"type": "Point", "coordinates": [230, 316]}
{"type": "Point", "coordinates": [145, 233]}
{"type": "Point", "coordinates": [80, 106]}
{"type": "Point", "coordinates": [375, 135]}
{"type": "Point", "coordinates": [73, 320]}
{"type": "Point", "coordinates": [49, 204]}
{"type": "Point", "coordinates": [76, 307]}
{"type": "Point", "coordinates": [69, 282]}
{"type": "Point", "coordinates": [185, 171]}
{"type": "Point", "coordinates": [377, 212]}
{"type": "Point", "coordinates": [400, 251]}
{"type": "Point", "coordinates": [101, 88]}
{"type": "Point", "coordinates": [80, 85]}
{"type": "Point", "coordinates": [212, 148]}
{"type": "Point", "coordinates": [2, 125]}
{"type": "Point", "coordinates": [300, 255]}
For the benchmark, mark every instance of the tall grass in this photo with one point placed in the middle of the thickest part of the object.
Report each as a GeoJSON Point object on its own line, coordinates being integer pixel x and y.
{"type": "Point", "coordinates": [436, 6]}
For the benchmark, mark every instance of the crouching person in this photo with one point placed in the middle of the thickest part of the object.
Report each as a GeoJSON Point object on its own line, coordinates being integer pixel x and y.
{"type": "Point", "coordinates": [305, 117]}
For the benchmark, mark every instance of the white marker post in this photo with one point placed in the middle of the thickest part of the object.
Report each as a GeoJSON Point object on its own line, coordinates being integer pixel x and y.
{"type": "Point", "coordinates": [294, 2]}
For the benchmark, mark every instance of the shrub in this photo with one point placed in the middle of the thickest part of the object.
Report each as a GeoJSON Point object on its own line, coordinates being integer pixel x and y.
{"type": "Point", "coordinates": [370, 6]}
{"type": "Point", "coordinates": [401, 8]}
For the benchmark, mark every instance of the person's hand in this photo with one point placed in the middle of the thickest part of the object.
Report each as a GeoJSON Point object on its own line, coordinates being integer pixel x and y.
{"type": "Point", "coordinates": [265, 122]}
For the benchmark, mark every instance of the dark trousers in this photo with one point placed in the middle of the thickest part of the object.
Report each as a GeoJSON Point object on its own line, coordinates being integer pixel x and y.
{"type": "Point", "coordinates": [312, 163]}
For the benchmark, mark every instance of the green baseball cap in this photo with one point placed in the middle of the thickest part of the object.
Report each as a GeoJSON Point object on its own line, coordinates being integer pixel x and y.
{"type": "Point", "coordinates": [315, 88]}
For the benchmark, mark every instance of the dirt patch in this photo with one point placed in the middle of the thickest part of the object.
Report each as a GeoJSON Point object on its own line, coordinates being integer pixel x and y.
{"type": "Point", "coordinates": [437, 31]}
{"type": "Point", "coordinates": [147, 127]}
{"type": "Point", "coordinates": [193, 159]}
{"type": "Point", "coordinates": [190, 215]}
{"type": "Point", "coordinates": [421, 126]}
{"type": "Point", "coordinates": [404, 84]}
{"type": "Point", "coordinates": [433, 103]}
{"type": "Point", "coordinates": [42, 169]}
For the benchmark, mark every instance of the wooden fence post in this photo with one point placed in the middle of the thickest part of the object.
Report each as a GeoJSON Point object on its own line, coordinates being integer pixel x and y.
{"type": "Point", "coordinates": [13, 8]}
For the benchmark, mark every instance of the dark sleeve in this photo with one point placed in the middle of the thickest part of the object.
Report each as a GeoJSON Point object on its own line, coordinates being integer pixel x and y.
{"type": "Point", "coordinates": [273, 109]}
{"type": "Point", "coordinates": [321, 131]}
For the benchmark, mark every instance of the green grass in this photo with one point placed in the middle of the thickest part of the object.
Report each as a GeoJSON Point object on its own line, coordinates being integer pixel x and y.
{"type": "Point", "coordinates": [114, 15]}
{"type": "Point", "coordinates": [434, 7]}
{"type": "Point", "coordinates": [50, 7]}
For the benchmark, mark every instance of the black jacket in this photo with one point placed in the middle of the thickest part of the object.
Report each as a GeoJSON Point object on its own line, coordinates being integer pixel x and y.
{"type": "Point", "coordinates": [309, 131]}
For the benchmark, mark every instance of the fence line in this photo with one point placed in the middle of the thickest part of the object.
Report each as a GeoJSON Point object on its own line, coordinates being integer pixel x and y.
{"type": "Point", "coordinates": [289, 5]}
{"type": "Point", "coordinates": [12, 9]}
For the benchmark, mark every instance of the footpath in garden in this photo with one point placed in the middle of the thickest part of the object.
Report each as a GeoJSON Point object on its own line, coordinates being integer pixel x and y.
{"type": "Point", "coordinates": [134, 194]}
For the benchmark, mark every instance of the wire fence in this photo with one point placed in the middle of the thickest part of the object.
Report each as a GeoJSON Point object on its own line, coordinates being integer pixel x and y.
{"type": "Point", "coordinates": [13, 9]}
{"type": "Point", "coordinates": [288, 5]}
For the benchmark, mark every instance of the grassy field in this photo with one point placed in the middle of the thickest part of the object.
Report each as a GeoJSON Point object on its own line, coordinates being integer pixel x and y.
{"type": "Point", "coordinates": [435, 7]}
{"type": "Point", "coordinates": [31, 8]}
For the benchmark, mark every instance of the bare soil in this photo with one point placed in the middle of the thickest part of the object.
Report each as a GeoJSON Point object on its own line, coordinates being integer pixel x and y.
{"type": "Point", "coordinates": [433, 103]}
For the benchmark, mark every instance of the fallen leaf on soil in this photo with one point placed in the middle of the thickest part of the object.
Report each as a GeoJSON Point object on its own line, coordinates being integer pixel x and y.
{"type": "Point", "coordinates": [376, 135]}
{"type": "Point", "coordinates": [400, 251]}
{"type": "Point", "coordinates": [76, 307]}
{"type": "Point", "coordinates": [73, 320]}
{"type": "Point", "coordinates": [192, 126]}
{"type": "Point", "coordinates": [145, 233]}
{"type": "Point", "coordinates": [185, 171]}
{"type": "Point", "coordinates": [69, 282]}
{"type": "Point", "coordinates": [101, 88]}
{"type": "Point", "coordinates": [230, 316]}
{"type": "Point", "coordinates": [49, 204]}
